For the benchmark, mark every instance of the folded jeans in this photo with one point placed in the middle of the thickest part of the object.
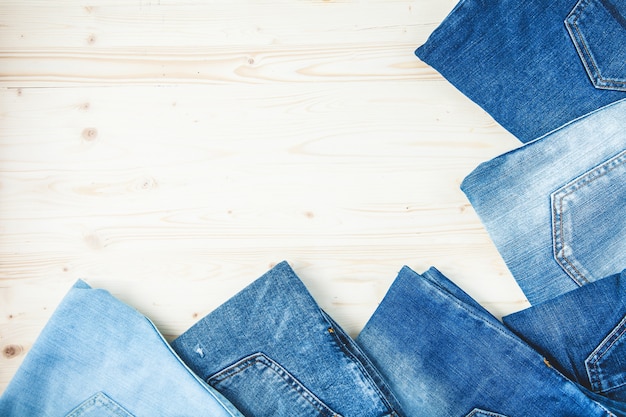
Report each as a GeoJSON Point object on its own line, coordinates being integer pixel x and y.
{"type": "Point", "coordinates": [534, 65]}
{"type": "Point", "coordinates": [583, 334]}
{"type": "Point", "coordinates": [272, 351]}
{"type": "Point", "coordinates": [555, 208]}
{"type": "Point", "coordinates": [98, 357]}
{"type": "Point", "coordinates": [443, 355]}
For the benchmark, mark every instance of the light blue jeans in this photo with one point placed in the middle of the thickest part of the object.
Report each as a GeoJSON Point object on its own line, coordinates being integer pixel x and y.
{"type": "Point", "coordinates": [534, 65]}
{"type": "Point", "coordinates": [556, 207]}
{"type": "Point", "coordinates": [443, 355]}
{"type": "Point", "coordinates": [97, 357]}
{"type": "Point", "coordinates": [273, 352]}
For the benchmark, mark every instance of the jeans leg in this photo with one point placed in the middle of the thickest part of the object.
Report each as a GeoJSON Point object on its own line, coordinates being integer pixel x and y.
{"type": "Point", "coordinates": [99, 357]}
{"type": "Point", "coordinates": [443, 357]}
{"type": "Point", "coordinates": [273, 352]}
{"type": "Point", "coordinates": [583, 333]}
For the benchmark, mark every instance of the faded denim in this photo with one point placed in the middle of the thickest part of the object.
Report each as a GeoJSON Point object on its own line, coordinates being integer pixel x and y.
{"type": "Point", "coordinates": [273, 352]}
{"type": "Point", "coordinates": [444, 355]}
{"type": "Point", "coordinates": [534, 65]}
{"type": "Point", "coordinates": [556, 207]}
{"type": "Point", "coordinates": [583, 334]}
{"type": "Point", "coordinates": [97, 357]}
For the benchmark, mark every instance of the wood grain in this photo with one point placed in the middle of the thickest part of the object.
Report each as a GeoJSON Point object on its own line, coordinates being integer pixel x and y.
{"type": "Point", "coordinates": [171, 152]}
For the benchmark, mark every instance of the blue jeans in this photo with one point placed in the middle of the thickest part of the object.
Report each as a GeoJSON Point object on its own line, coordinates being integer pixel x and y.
{"type": "Point", "coordinates": [97, 357]}
{"type": "Point", "coordinates": [273, 352]}
{"type": "Point", "coordinates": [443, 355]}
{"type": "Point", "coordinates": [556, 207]}
{"type": "Point", "coordinates": [583, 334]}
{"type": "Point", "coordinates": [534, 65]}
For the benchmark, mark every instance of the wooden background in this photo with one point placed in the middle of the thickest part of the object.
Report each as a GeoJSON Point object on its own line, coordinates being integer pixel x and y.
{"type": "Point", "coordinates": [172, 151]}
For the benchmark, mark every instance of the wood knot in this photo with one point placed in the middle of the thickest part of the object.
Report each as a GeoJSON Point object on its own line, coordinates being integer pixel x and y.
{"type": "Point", "coordinates": [147, 184]}
{"type": "Point", "coordinates": [93, 241]}
{"type": "Point", "coordinates": [90, 134]}
{"type": "Point", "coordinates": [11, 351]}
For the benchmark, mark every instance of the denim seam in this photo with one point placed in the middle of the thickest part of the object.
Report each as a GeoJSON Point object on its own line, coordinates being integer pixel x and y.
{"type": "Point", "coordinates": [102, 400]}
{"type": "Point", "coordinates": [451, 294]}
{"type": "Point", "coordinates": [479, 412]}
{"type": "Point", "coordinates": [586, 57]}
{"type": "Point", "coordinates": [354, 359]}
{"type": "Point", "coordinates": [189, 371]}
{"type": "Point", "coordinates": [591, 363]}
{"type": "Point", "coordinates": [284, 374]}
{"type": "Point", "coordinates": [557, 198]}
{"type": "Point", "coordinates": [518, 342]}
{"type": "Point", "coordinates": [504, 332]}
{"type": "Point", "coordinates": [461, 305]}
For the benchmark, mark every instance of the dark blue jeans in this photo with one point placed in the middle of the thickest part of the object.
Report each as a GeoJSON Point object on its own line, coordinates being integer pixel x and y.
{"type": "Point", "coordinates": [443, 355]}
{"type": "Point", "coordinates": [583, 334]}
{"type": "Point", "coordinates": [534, 65]}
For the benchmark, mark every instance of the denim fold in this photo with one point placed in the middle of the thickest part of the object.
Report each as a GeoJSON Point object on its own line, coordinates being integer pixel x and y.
{"type": "Point", "coordinates": [272, 351]}
{"type": "Point", "coordinates": [98, 357]}
{"type": "Point", "coordinates": [535, 65]}
{"type": "Point", "coordinates": [582, 333]}
{"type": "Point", "coordinates": [444, 355]}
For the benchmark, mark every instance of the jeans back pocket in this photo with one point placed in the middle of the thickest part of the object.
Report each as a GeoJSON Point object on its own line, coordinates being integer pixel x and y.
{"type": "Point", "coordinates": [99, 405]}
{"type": "Point", "coordinates": [476, 412]}
{"type": "Point", "coordinates": [257, 386]}
{"type": "Point", "coordinates": [589, 222]}
{"type": "Point", "coordinates": [598, 30]}
{"type": "Point", "coordinates": [606, 366]}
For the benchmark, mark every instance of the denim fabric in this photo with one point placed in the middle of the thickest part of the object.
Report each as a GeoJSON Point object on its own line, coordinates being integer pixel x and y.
{"type": "Point", "coordinates": [583, 334]}
{"type": "Point", "coordinates": [273, 352]}
{"type": "Point", "coordinates": [97, 357]}
{"type": "Point", "coordinates": [555, 208]}
{"type": "Point", "coordinates": [534, 65]}
{"type": "Point", "coordinates": [443, 355]}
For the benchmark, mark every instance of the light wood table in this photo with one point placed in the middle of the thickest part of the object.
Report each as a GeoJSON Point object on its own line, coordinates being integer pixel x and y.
{"type": "Point", "coordinates": [172, 151]}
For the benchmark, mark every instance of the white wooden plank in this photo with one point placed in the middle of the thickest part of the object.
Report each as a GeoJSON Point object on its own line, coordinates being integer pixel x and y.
{"type": "Point", "coordinates": [131, 25]}
{"type": "Point", "coordinates": [73, 43]}
{"type": "Point", "coordinates": [171, 152]}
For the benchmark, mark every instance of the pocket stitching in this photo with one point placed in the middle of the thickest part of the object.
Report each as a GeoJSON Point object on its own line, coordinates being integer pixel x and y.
{"type": "Point", "coordinates": [591, 363]}
{"type": "Point", "coordinates": [103, 400]}
{"type": "Point", "coordinates": [338, 336]}
{"type": "Point", "coordinates": [479, 412]}
{"type": "Point", "coordinates": [584, 53]}
{"type": "Point", "coordinates": [285, 375]}
{"type": "Point", "coordinates": [557, 198]}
